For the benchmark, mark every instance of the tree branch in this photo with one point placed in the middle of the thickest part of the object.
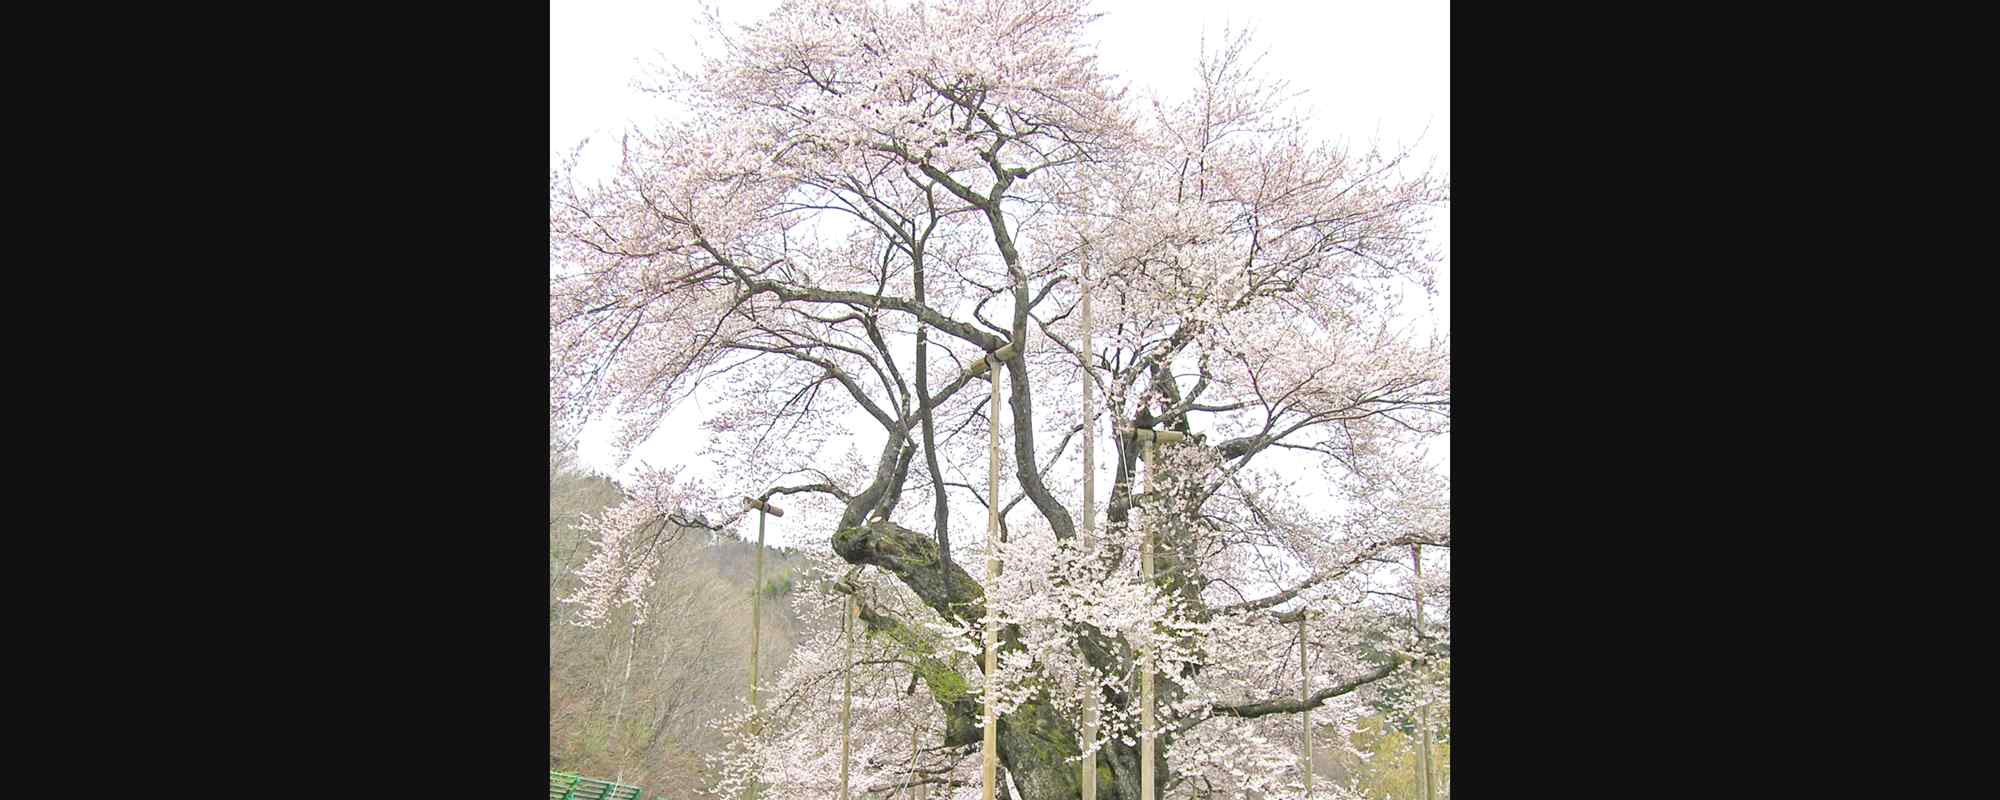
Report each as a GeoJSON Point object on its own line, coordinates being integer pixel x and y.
{"type": "Point", "coordinates": [1294, 705]}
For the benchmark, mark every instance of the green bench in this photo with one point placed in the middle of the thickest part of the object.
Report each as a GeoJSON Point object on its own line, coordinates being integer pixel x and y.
{"type": "Point", "coordinates": [564, 786]}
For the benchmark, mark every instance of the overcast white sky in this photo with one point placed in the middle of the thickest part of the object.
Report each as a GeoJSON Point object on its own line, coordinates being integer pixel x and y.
{"type": "Point", "coordinates": [1372, 71]}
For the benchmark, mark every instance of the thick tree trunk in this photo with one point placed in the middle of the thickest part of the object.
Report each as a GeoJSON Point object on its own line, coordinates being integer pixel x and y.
{"type": "Point", "coordinates": [1034, 742]}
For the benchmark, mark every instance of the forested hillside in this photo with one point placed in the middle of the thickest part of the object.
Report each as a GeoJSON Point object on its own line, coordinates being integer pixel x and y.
{"type": "Point", "coordinates": [632, 702]}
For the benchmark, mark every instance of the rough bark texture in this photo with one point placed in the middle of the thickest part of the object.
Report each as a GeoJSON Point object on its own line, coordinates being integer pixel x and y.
{"type": "Point", "coordinates": [1035, 743]}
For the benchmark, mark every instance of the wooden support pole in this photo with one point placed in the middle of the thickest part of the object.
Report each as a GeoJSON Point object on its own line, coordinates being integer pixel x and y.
{"type": "Point", "coordinates": [756, 601]}
{"type": "Point", "coordinates": [1305, 696]}
{"type": "Point", "coordinates": [1146, 654]}
{"type": "Point", "coordinates": [1425, 778]}
{"type": "Point", "coordinates": [1152, 439]}
{"type": "Point", "coordinates": [763, 507]}
{"type": "Point", "coordinates": [1092, 693]}
{"type": "Point", "coordinates": [847, 618]}
{"type": "Point", "coordinates": [989, 748]}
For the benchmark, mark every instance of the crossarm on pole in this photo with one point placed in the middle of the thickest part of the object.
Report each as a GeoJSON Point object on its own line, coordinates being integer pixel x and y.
{"type": "Point", "coordinates": [754, 504]}
{"type": "Point", "coordinates": [1154, 435]}
{"type": "Point", "coordinates": [982, 365]}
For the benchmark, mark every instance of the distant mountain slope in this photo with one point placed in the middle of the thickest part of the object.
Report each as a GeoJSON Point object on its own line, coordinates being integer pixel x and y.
{"type": "Point", "coordinates": [630, 702]}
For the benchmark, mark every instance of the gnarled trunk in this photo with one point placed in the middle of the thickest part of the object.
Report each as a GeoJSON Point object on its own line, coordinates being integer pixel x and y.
{"type": "Point", "coordinates": [1035, 743]}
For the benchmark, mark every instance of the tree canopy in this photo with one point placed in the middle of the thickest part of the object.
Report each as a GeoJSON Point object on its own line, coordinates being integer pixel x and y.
{"type": "Point", "coordinates": [860, 201]}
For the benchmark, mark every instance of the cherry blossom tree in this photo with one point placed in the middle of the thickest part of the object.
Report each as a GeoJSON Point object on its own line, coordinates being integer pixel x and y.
{"type": "Point", "coordinates": [861, 200]}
